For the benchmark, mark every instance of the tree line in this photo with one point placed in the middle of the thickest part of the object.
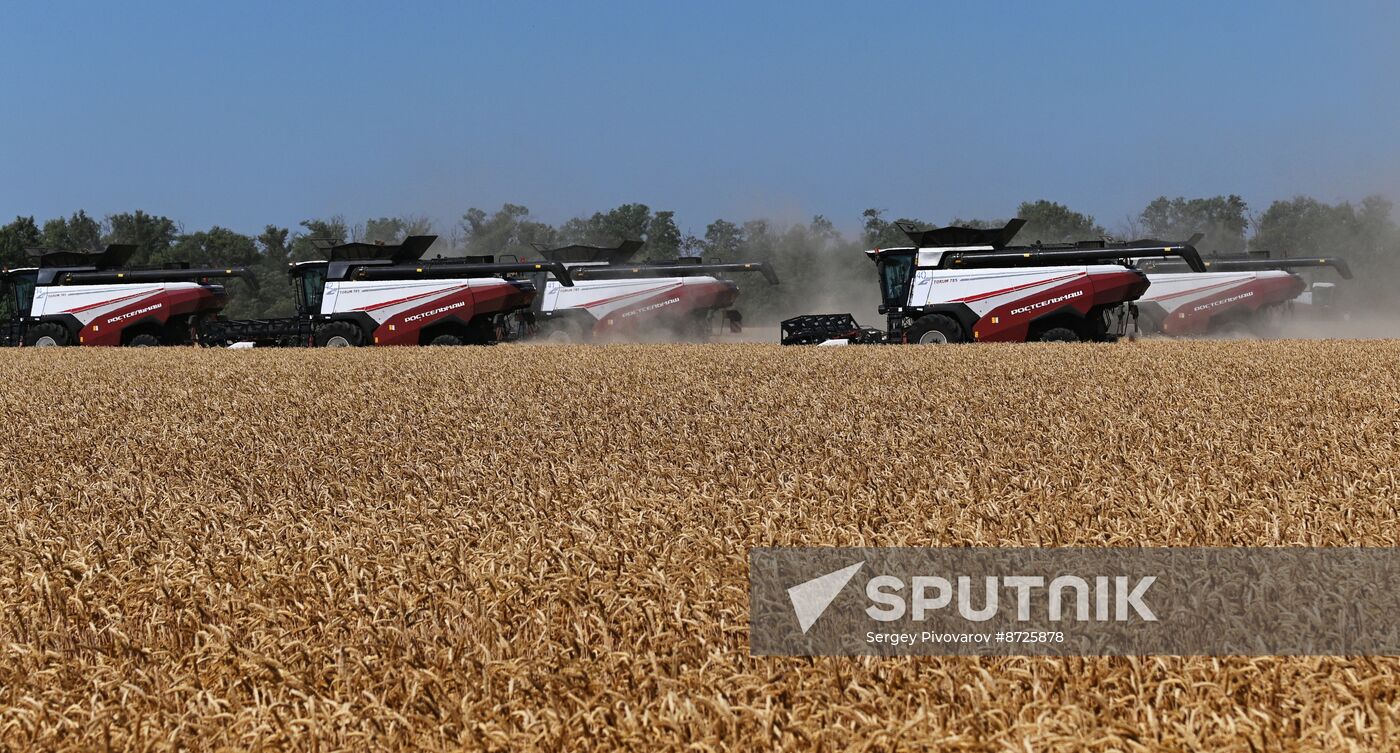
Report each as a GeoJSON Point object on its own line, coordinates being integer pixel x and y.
{"type": "Point", "coordinates": [821, 268]}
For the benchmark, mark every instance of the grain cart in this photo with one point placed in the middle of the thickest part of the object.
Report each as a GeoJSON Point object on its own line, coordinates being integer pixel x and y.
{"type": "Point", "coordinates": [958, 284]}
{"type": "Point", "coordinates": [1244, 292]}
{"type": "Point", "coordinates": [614, 298]}
{"type": "Point", "coordinates": [376, 294]}
{"type": "Point", "coordinates": [87, 298]}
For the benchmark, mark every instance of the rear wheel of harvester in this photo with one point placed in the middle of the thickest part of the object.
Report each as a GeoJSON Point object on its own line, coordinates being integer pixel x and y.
{"type": "Point", "coordinates": [338, 335]}
{"type": "Point", "coordinates": [1059, 335]}
{"type": "Point", "coordinates": [143, 340]}
{"type": "Point", "coordinates": [46, 335]}
{"type": "Point", "coordinates": [934, 329]}
{"type": "Point", "coordinates": [446, 340]}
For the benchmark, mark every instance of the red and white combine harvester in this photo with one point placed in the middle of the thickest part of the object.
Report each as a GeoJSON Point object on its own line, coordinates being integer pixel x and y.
{"type": "Point", "coordinates": [1237, 293]}
{"type": "Point", "coordinates": [376, 294]}
{"type": "Point", "coordinates": [613, 298]}
{"type": "Point", "coordinates": [958, 284]}
{"type": "Point", "coordinates": [81, 298]}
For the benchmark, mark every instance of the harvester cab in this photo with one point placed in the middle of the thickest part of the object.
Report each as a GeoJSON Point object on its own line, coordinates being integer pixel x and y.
{"type": "Point", "coordinates": [615, 297]}
{"type": "Point", "coordinates": [1243, 292]}
{"type": "Point", "coordinates": [961, 284]}
{"type": "Point", "coordinates": [387, 294]}
{"type": "Point", "coordinates": [93, 298]}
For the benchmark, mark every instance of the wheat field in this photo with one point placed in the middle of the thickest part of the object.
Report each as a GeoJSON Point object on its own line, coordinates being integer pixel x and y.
{"type": "Point", "coordinates": [545, 547]}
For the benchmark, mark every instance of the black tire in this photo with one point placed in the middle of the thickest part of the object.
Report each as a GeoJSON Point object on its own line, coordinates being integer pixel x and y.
{"type": "Point", "coordinates": [934, 329]}
{"type": "Point", "coordinates": [699, 329]}
{"type": "Point", "coordinates": [560, 330]}
{"type": "Point", "coordinates": [338, 335]}
{"type": "Point", "coordinates": [143, 340]}
{"type": "Point", "coordinates": [446, 340]}
{"type": "Point", "coordinates": [1059, 335]}
{"type": "Point", "coordinates": [46, 334]}
{"type": "Point", "coordinates": [1266, 324]}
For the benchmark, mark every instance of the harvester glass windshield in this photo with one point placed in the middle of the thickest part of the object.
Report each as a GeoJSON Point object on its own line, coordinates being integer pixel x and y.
{"type": "Point", "coordinates": [894, 277]}
{"type": "Point", "coordinates": [310, 285]}
{"type": "Point", "coordinates": [18, 294]}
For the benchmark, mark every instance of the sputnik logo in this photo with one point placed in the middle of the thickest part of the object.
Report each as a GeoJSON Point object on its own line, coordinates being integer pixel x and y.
{"type": "Point", "coordinates": [811, 598]}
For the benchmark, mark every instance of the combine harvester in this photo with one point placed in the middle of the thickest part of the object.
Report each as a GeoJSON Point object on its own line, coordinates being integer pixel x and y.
{"type": "Point", "coordinates": [958, 284]}
{"type": "Point", "coordinates": [79, 298]}
{"type": "Point", "coordinates": [375, 294]}
{"type": "Point", "coordinates": [614, 299]}
{"type": "Point", "coordinates": [1237, 293]}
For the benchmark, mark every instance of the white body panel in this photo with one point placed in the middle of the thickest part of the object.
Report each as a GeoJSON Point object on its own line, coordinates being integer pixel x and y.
{"type": "Point", "coordinates": [88, 302]}
{"type": "Point", "coordinates": [1177, 290]}
{"type": "Point", "coordinates": [603, 297]}
{"type": "Point", "coordinates": [985, 289]}
{"type": "Point", "coordinates": [382, 299]}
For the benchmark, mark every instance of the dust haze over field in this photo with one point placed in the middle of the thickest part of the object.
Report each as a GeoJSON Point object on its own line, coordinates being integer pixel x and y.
{"type": "Point", "coordinates": [545, 547]}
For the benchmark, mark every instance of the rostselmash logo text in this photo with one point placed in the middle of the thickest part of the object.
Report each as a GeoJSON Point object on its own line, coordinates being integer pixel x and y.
{"type": "Point", "coordinates": [1046, 302]}
{"type": "Point", "coordinates": [1223, 301]}
{"type": "Point", "coordinates": [434, 312]}
{"type": "Point", "coordinates": [652, 307]}
{"type": "Point", "coordinates": [1090, 598]}
{"type": "Point", "coordinates": [136, 313]}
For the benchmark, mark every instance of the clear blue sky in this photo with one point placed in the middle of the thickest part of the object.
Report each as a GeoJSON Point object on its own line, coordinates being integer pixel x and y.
{"type": "Point", "coordinates": [248, 113]}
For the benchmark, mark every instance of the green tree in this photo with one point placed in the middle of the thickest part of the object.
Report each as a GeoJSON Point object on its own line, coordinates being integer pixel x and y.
{"type": "Point", "coordinates": [1366, 236]}
{"type": "Point", "coordinates": [220, 247]}
{"type": "Point", "coordinates": [76, 233]}
{"type": "Point", "coordinates": [626, 222]}
{"type": "Point", "coordinates": [1050, 222]}
{"type": "Point", "coordinates": [881, 233]}
{"type": "Point", "coordinates": [394, 229]}
{"type": "Point", "coordinates": [663, 238]}
{"type": "Point", "coordinates": [382, 230]}
{"type": "Point", "coordinates": [507, 232]}
{"type": "Point", "coordinates": [723, 241]}
{"type": "Point", "coordinates": [333, 230]}
{"type": "Point", "coordinates": [1223, 219]}
{"type": "Point", "coordinates": [153, 235]}
{"type": "Point", "coordinates": [16, 239]}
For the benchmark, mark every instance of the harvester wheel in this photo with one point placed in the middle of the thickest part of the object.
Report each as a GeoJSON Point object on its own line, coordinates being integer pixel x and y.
{"type": "Point", "coordinates": [46, 334]}
{"type": "Point", "coordinates": [143, 340]}
{"type": "Point", "coordinates": [446, 340]}
{"type": "Point", "coordinates": [1059, 335]}
{"type": "Point", "coordinates": [561, 331]}
{"type": "Point", "coordinates": [934, 329]}
{"type": "Point", "coordinates": [338, 335]}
